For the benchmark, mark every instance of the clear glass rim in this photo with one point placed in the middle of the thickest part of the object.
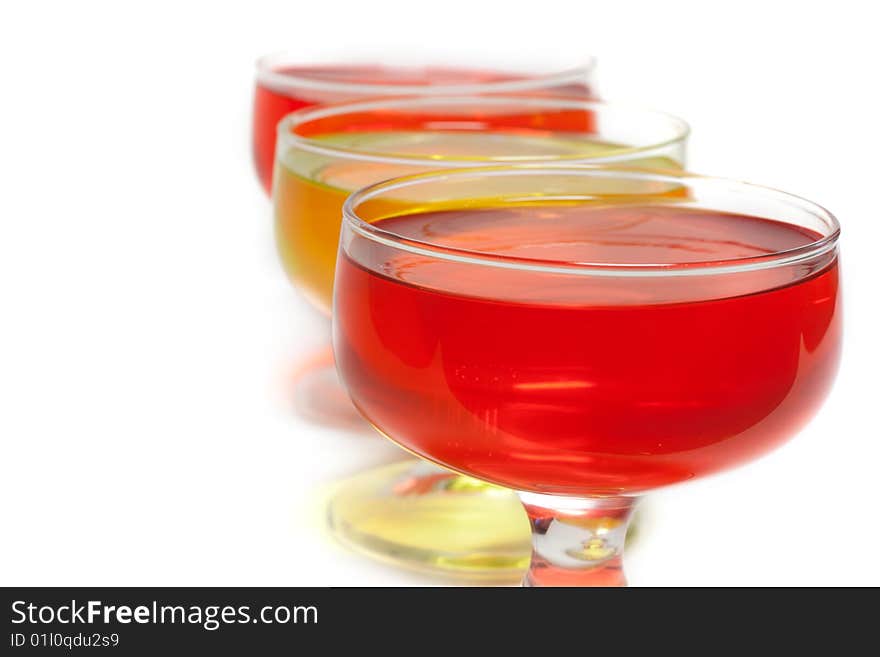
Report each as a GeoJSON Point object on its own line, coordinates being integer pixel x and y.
{"type": "Point", "coordinates": [782, 258]}
{"type": "Point", "coordinates": [522, 80]}
{"type": "Point", "coordinates": [287, 137]}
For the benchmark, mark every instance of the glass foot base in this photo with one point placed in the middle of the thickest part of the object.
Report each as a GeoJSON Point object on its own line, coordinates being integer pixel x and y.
{"type": "Point", "coordinates": [577, 541]}
{"type": "Point", "coordinates": [417, 515]}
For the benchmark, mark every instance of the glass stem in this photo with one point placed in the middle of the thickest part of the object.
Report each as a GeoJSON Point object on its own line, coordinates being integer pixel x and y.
{"type": "Point", "coordinates": [577, 541]}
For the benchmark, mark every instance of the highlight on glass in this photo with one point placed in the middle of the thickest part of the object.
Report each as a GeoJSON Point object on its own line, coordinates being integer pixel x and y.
{"type": "Point", "coordinates": [585, 335]}
{"type": "Point", "coordinates": [324, 154]}
{"type": "Point", "coordinates": [285, 84]}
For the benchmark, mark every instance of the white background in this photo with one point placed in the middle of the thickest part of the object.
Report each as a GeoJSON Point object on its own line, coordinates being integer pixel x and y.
{"type": "Point", "coordinates": [148, 336]}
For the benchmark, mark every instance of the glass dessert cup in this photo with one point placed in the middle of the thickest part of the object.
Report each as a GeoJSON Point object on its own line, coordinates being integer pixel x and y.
{"type": "Point", "coordinates": [285, 84]}
{"type": "Point", "coordinates": [431, 518]}
{"type": "Point", "coordinates": [584, 335]}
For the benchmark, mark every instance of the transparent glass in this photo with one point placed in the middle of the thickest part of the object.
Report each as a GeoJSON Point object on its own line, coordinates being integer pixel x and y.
{"type": "Point", "coordinates": [284, 83]}
{"type": "Point", "coordinates": [583, 335]}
